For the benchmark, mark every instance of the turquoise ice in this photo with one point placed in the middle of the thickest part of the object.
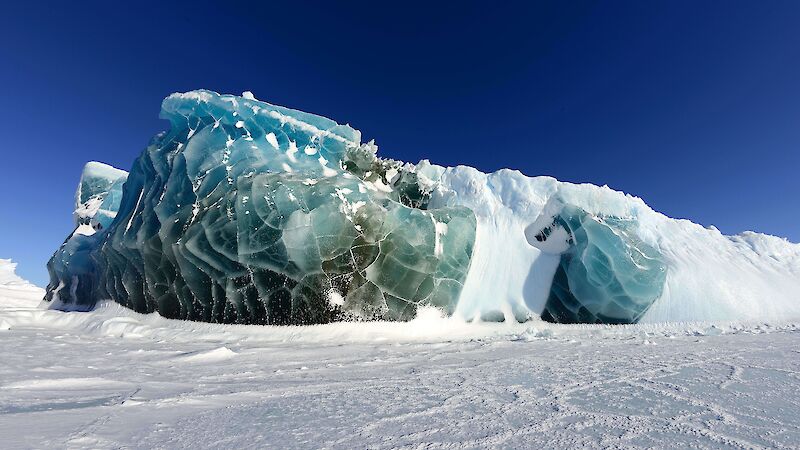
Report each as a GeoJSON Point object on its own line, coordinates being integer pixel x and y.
{"type": "Point", "coordinates": [99, 194]}
{"type": "Point", "coordinates": [247, 212]}
{"type": "Point", "coordinates": [606, 273]}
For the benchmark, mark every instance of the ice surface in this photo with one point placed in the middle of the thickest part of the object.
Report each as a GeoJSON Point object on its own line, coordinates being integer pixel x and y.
{"type": "Point", "coordinates": [606, 274]}
{"type": "Point", "coordinates": [98, 196]}
{"type": "Point", "coordinates": [97, 201]}
{"type": "Point", "coordinates": [248, 212]}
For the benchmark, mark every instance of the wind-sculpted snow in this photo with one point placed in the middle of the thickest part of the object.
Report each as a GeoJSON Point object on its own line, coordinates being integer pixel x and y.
{"type": "Point", "coordinates": [113, 378]}
{"type": "Point", "coordinates": [709, 276]}
{"type": "Point", "coordinates": [247, 212]}
{"type": "Point", "coordinates": [10, 280]}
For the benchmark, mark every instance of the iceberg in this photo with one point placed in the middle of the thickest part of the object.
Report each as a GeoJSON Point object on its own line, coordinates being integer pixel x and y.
{"type": "Point", "coordinates": [247, 212]}
{"type": "Point", "coordinates": [97, 200]}
{"type": "Point", "coordinates": [98, 195]}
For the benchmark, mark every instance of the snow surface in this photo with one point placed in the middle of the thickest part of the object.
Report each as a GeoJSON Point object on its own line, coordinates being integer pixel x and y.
{"type": "Point", "coordinates": [113, 378]}
{"type": "Point", "coordinates": [14, 291]}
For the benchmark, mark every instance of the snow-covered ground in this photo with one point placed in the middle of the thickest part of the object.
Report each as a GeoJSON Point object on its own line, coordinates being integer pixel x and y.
{"type": "Point", "coordinates": [116, 379]}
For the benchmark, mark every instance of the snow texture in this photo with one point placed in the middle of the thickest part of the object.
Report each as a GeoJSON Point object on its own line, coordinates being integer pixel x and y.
{"type": "Point", "coordinates": [113, 378]}
{"type": "Point", "coordinates": [9, 279]}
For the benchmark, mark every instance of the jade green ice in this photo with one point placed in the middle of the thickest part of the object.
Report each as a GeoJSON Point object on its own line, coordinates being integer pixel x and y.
{"type": "Point", "coordinates": [247, 212]}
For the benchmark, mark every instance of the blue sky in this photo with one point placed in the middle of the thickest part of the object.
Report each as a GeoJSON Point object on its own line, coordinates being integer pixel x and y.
{"type": "Point", "coordinates": [693, 106]}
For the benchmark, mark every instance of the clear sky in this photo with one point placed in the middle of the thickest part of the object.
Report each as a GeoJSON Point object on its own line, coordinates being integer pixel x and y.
{"type": "Point", "coordinates": [693, 106]}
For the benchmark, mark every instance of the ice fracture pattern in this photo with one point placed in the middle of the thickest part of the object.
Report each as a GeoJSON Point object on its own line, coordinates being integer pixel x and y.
{"type": "Point", "coordinates": [247, 212]}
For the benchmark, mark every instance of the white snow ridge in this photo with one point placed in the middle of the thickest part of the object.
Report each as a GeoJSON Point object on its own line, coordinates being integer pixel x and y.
{"type": "Point", "coordinates": [710, 276]}
{"type": "Point", "coordinates": [112, 378]}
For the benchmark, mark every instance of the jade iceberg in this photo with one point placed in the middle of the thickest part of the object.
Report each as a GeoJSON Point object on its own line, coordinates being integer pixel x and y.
{"type": "Point", "coordinates": [246, 212]}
